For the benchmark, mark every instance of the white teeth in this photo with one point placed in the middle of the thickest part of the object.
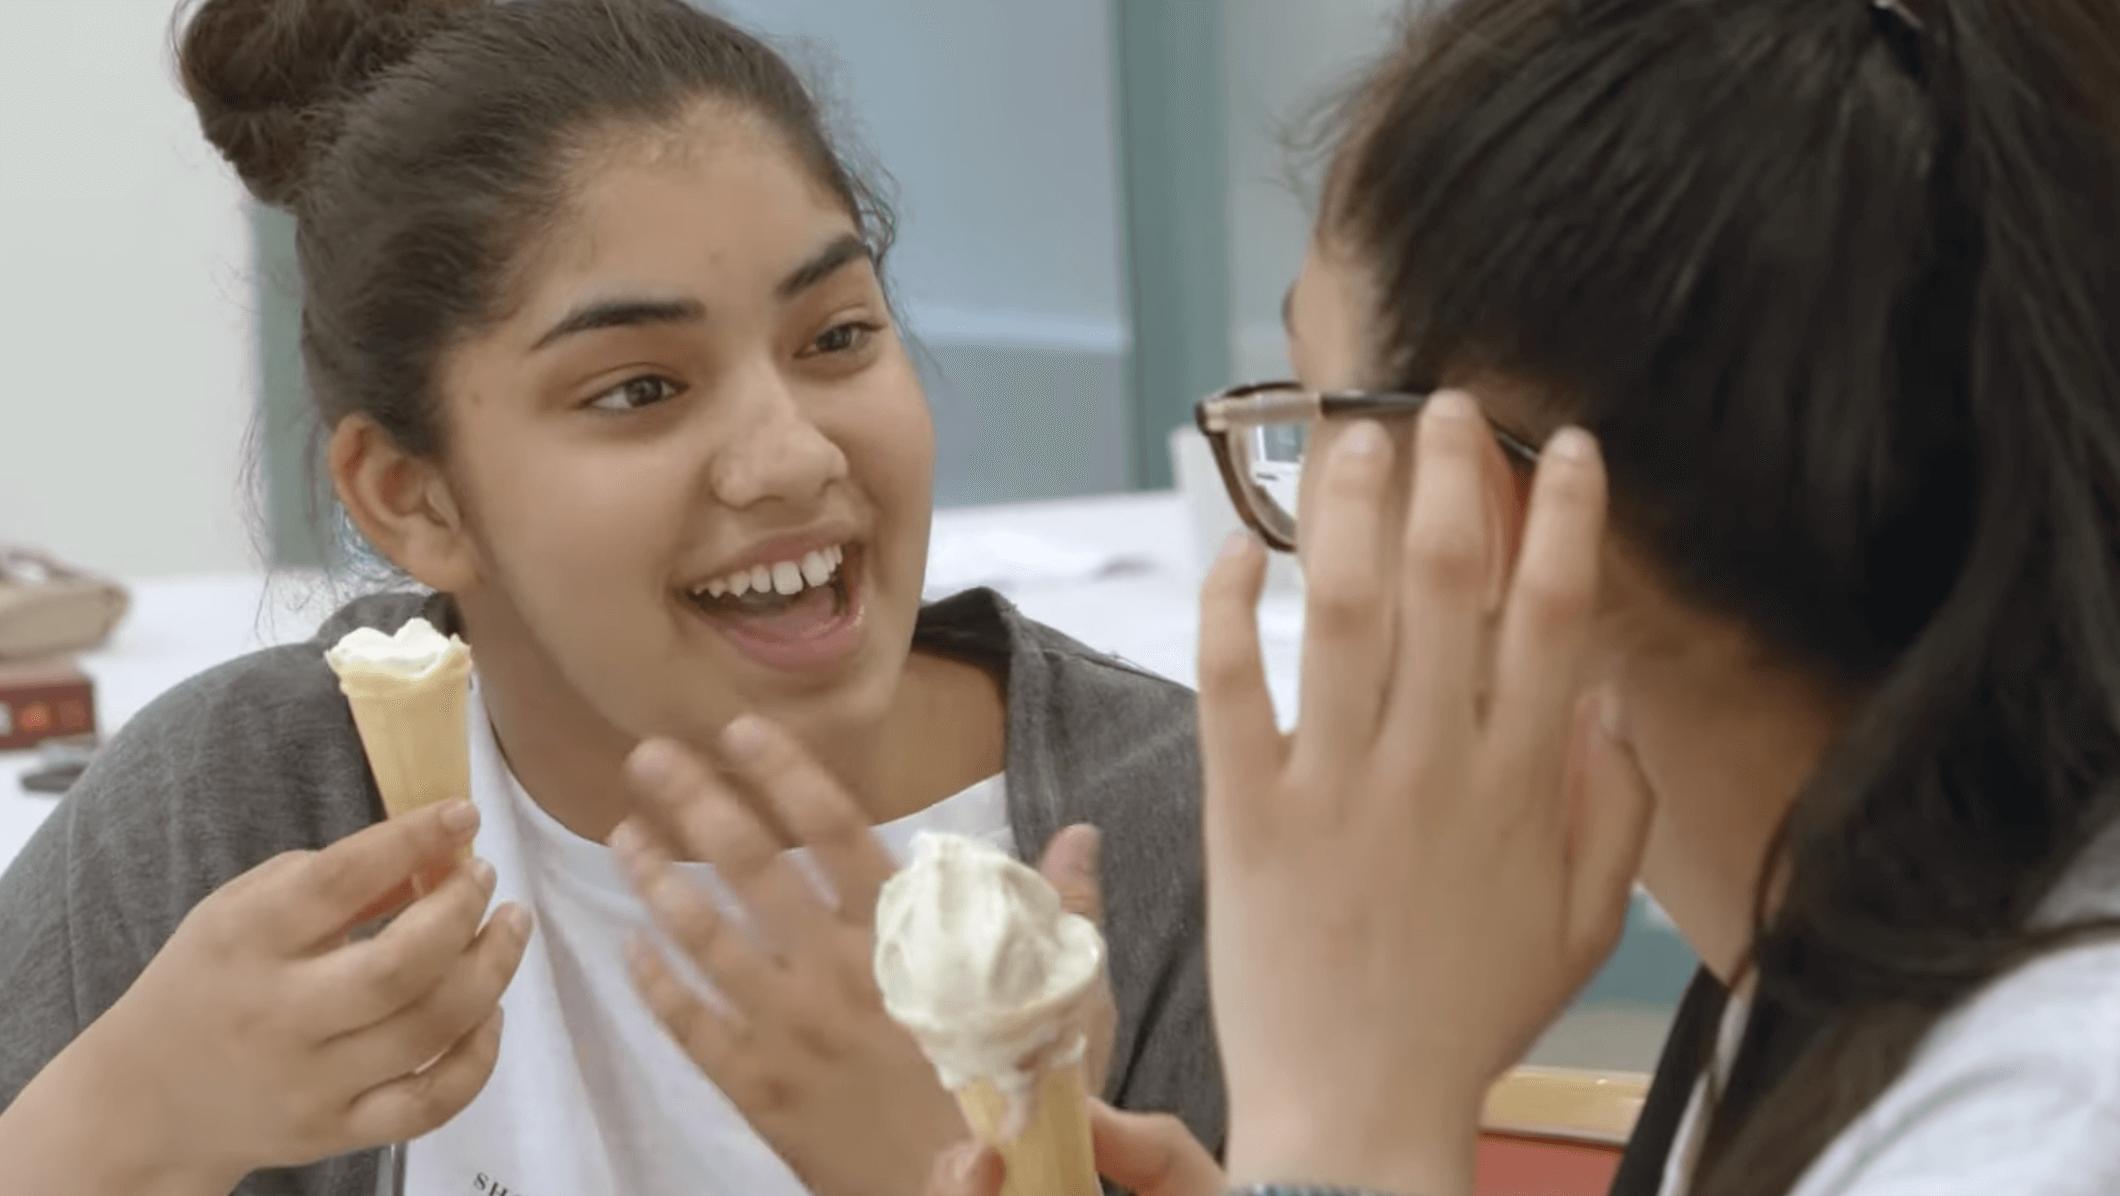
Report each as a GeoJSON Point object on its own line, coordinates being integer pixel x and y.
{"type": "Point", "coordinates": [786, 578]}
{"type": "Point", "coordinates": [816, 569]}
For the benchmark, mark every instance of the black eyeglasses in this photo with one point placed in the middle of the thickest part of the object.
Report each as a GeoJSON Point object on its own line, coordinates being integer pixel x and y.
{"type": "Point", "coordinates": [1260, 433]}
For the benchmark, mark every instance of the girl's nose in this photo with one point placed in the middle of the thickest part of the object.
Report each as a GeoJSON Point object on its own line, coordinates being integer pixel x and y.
{"type": "Point", "coordinates": [777, 454]}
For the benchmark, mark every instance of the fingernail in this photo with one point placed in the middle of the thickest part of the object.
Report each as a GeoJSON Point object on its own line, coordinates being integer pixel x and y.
{"type": "Point", "coordinates": [625, 841]}
{"type": "Point", "coordinates": [1364, 441]}
{"type": "Point", "coordinates": [460, 816]}
{"type": "Point", "coordinates": [964, 1167]}
{"type": "Point", "coordinates": [1571, 444]}
{"type": "Point", "coordinates": [1451, 404]}
{"type": "Point", "coordinates": [744, 738]}
{"type": "Point", "coordinates": [653, 763]}
{"type": "Point", "coordinates": [482, 872]}
{"type": "Point", "coordinates": [1090, 852]}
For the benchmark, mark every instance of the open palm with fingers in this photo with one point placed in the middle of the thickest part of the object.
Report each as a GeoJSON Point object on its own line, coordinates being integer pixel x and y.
{"type": "Point", "coordinates": [798, 1038]}
{"type": "Point", "coordinates": [1408, 887]}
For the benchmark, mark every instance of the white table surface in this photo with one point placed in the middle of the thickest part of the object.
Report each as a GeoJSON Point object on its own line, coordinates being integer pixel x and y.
{"type": "Point", "coordinates": [1145, 610]}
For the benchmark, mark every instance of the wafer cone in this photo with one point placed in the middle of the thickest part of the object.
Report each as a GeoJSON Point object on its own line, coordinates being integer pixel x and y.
{"type": "Point", "coordinates": [1051, 1155]}
{"type": "Point", "coordinates": [415, 731]}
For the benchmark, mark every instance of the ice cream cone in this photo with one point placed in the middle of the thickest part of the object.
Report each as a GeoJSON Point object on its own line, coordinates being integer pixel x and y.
{"type": "Point", "coordinates": [415, 735]}
{"type": "Point", "coordinates": [978, 958]}
{"type": "Point", "coordinates": [414, 726]}
{"type": "Point", "coordinates": [1051, 1154]}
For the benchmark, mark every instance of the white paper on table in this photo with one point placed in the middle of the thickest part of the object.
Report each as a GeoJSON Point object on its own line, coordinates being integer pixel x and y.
{"type": "Point", "coordinates": [1013, 561]}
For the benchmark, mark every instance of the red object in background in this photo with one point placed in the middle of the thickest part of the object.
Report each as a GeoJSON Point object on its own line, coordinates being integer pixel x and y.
{"type": "Point", "coordinates": [40, 700]}
{"type": "Point", "coordinates": [1556, 1131]}
{"type": "Point", "coordinates": [1509, 1165]}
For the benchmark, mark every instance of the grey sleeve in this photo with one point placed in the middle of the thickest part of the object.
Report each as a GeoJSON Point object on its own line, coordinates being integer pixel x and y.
{"type": "Point", "coordinates": [220, 774]}
{"type": "Point", "coordinates": [104, 882]}
{"type": "Point", "coordinates": [41, 991]}
{"type": "Point", "coordinates": [1166, 1059]}
{"type": "Point", "coordinates": [1122, 752]}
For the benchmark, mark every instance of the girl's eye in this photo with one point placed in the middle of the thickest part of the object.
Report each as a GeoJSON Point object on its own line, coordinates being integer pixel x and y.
{"type": "Point", "coordinates": [636, 393]}
{"type": "Point", "coordinates": [843, 338]}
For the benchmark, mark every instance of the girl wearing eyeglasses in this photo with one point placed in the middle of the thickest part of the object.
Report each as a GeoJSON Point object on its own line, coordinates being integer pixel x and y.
{"type": "Point", "coordinates": [1805, 610]}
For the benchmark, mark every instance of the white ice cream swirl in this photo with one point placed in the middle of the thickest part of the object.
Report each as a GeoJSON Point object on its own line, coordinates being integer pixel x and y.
{"type": "Point", "coordinates": [416, 650]}
{"type": "Point", "coordinates": [976, 957]}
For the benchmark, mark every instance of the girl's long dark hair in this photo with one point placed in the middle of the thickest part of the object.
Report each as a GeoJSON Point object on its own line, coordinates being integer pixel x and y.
{"type": "Point", "coordinates": [1837, 286]}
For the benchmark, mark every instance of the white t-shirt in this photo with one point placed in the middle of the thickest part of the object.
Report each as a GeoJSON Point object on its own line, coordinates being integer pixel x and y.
{"type": "Point", "coordinates": [590, 1096]}
{"type": "Point", "coordinates": [2016, 1093]}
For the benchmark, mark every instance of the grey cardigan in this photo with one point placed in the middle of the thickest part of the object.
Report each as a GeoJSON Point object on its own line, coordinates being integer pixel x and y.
{"type": "Point", "coordinates": [260, 756]}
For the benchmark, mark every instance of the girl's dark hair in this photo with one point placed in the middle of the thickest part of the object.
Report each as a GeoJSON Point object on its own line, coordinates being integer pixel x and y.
{"type": "Point", "coordinates": [1836, 286]}
{"type": "Point", "coordinates": [423, 145]}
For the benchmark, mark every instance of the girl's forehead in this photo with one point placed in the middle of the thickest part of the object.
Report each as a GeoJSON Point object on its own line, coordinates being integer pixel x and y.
{"type": "Point", "coordinates": [1330, 315]}
{"type": "Point", "coordinates": [704, 129]}
{"type": "Point", "coordinates": [1337, 331]}
{"type": "Point", "coordinates": [694, 180]}
{"type": "Point", "coordinates": [726, 216]}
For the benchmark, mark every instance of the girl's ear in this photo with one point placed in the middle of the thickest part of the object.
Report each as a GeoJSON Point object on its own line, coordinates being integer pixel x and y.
{"type": "Point", "coordinates": [403, 506]}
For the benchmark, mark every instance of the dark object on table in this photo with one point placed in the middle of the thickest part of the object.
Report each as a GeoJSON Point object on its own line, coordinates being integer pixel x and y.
{"type": "Point", "coordinates": [60, 762]}
{"type": "Point", "coordinates": [54, 779]}
{"type": "Point", "coordinates": [40, 700]}
{"type": "Point", "coordinates": [50, 609]}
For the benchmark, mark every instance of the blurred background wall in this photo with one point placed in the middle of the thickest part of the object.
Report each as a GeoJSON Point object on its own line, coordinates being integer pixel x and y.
{"type": "Point", "coordinates": [126, 321]}
{"type": "Point", "coordinates": [996, 122]}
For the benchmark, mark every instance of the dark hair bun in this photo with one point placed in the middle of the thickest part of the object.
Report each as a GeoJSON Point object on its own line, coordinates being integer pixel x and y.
{"type": "Point", "coordinates": [270, 77]}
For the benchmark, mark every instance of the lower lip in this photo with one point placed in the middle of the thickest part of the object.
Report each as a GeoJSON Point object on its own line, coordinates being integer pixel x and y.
{"type": "Point", "coordinates": [820, 649]}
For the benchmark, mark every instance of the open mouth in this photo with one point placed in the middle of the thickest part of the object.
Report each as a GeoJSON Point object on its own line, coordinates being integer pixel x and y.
{"type": "Point", "coordinates": [798, 613]}
{"type": "Point", "coordinates": [770, 591]}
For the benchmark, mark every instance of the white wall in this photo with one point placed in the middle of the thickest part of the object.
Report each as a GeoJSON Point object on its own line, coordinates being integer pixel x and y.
{"type": "Point", "coordinates": [125, 343]}
{"type": "Point", "coordinates": [996, 121]}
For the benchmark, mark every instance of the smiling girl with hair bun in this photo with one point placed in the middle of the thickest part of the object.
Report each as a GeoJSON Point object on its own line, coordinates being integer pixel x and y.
{"type": "Point", "coordinates": [594, 321]}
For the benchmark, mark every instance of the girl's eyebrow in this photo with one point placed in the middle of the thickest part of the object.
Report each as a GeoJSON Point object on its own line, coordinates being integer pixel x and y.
{"type": "Point", "coordinates": [843, 251]}
{"type": "Point", "coordinates": [601, 314]}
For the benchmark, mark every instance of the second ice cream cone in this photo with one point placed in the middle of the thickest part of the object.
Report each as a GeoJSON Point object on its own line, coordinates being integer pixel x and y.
{"type": "Point", "coordinates": [1051, 1155]}
{"type": "Point", "coordinates": [415, 738]}
{"type": "Point", "coordinates": [412, 712]}
{"type": "Point", "coordinates": [976, 955]}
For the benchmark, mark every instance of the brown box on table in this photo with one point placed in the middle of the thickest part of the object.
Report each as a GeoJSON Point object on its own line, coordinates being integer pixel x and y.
{"type": "Point", "coordinates": [44, 699]}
